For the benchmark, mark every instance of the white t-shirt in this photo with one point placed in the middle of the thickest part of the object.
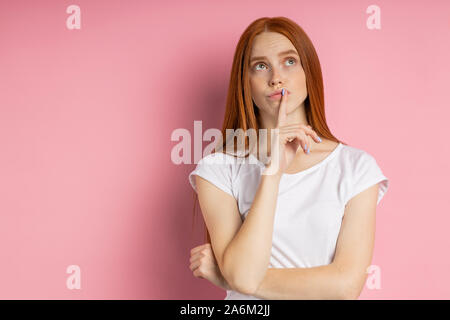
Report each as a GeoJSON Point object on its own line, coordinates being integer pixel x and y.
{"type": "Point", "coordinates": [310, 204]}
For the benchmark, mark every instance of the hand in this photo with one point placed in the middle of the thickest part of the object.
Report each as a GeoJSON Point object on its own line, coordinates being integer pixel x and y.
{"type": "Point", "coordinates": [286, 141]}
{"type": "Point", "coordinates": [204, 266]}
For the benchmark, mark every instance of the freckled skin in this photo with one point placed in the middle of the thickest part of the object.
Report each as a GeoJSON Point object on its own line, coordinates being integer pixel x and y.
{"type": "Point", "coordinates": [276, 72]}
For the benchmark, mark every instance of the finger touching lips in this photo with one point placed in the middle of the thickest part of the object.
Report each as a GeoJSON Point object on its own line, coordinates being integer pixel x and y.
{"type": "Point", "coordinates": [282, 110]}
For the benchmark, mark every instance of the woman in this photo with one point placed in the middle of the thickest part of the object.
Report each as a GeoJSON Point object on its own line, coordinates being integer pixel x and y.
{"type": "Point", "coordinates": [299, 223]}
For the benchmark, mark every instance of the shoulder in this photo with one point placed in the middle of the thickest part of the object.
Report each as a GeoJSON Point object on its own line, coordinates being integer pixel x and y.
{"type": "Point", "coordinates": [226, 164]}
{"type": "Point", "coordinates": [223, 170]}
{"type": "Point", "coordinates": [363, 171]}
{"type": "Point", "coordinates": [217, 169]}
{"type": "Point", "coordinates": [353, 156]}
{"type": "Point", "coordinates": [217, 158]}
{"type": "Point", "coordinates": [356, 162]}
{"type": "Point", "coordinates": [230, 160]}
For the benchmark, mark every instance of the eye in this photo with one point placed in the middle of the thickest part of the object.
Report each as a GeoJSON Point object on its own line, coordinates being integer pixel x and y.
{"type": "Point", "coordinates": [258, 64]}
{"type": "Point", "coordinates": [292, 59]}
{"type": "Point", "coordinates": [288, 59]}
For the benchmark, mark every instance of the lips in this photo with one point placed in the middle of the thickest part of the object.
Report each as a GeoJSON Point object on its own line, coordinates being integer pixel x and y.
{"type": "Point", "coordinates": [277, 92]}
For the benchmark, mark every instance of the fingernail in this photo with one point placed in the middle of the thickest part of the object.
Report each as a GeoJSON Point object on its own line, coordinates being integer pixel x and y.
{"type": "Point", "coordinates": [320, 140]}
{"type": "Point", "coordinates": [282, 92]}
{"type": "Point", "coordinates": [305, 147]}
{"type": "Point", "coordinates": [307, 151]}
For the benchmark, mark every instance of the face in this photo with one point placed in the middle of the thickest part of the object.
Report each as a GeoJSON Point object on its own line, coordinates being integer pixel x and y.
{"type": "Point", "coordinates": [275, 71]}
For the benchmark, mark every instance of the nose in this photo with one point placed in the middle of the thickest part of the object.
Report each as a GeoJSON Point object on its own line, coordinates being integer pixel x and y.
{"type": "Point", "coordinates": [276, 78]}
{"type": "Point", "coordinates": [274, 83]}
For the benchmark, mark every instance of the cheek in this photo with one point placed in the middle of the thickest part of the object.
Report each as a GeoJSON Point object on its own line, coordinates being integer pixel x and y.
{"type": "Point", "coordinates": [257, 88]}
{"type": "Point", "coordinates": [299, 81]}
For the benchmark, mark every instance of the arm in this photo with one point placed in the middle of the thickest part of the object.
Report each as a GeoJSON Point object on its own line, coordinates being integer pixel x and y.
{"type": "Point", "coordinates": [345, 277]}
{"type": "Point", "coordinates": [248, 255]}
{"type": "Point", "coordinates": [233, 241]}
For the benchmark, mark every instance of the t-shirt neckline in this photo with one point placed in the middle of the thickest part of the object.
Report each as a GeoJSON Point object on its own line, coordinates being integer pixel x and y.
{"type": "Point", "coordinates": [306, 171]}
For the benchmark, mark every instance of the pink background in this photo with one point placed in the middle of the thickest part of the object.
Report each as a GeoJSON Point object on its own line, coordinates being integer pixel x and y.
{"type": "Point", "coordinates": [87, 116]}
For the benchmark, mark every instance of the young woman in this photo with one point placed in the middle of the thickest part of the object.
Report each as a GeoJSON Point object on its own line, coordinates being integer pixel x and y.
{"type": "Point", "coordinates": [299, 223]}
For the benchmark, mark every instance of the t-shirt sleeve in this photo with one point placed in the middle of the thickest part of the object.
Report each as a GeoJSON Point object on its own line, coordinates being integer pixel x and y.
{"type": "Point", "coordinates": [216, 170]}
{"type": "Point", "coordinates": [367, 173]}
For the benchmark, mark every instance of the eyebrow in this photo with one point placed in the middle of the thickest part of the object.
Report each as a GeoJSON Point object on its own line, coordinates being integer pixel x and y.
{"type": "Point", "coordinates": [280, 54]}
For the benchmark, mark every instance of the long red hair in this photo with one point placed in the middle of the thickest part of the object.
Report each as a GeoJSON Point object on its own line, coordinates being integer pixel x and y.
{"type": "Point", "coordinates": [240, 111]}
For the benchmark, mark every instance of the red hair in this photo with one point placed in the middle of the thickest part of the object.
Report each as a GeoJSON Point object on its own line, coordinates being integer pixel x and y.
{"type": "Point", "coordinates": [240, 111]}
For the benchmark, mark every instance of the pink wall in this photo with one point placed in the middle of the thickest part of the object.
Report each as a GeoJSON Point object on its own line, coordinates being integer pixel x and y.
{"type": "Point", "coordinates": [87, 116]}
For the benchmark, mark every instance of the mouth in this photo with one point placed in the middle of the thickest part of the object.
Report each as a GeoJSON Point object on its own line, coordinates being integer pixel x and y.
{"type": "Point", "coordinates": [277, 94]}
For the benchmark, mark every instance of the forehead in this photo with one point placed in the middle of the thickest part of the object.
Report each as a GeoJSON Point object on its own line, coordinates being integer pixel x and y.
{"type": "Point", "coordinates": [270, 43]}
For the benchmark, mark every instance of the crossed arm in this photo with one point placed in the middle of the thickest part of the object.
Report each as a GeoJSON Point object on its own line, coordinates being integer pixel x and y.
{"type": "Point", "coordinates": [345, 277]}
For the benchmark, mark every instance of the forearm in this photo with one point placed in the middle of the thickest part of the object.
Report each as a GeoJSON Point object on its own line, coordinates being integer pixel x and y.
{"type": "Point", "coordinates": [322, 282]}
{"type": "Point", "coordinates": [248, 254]}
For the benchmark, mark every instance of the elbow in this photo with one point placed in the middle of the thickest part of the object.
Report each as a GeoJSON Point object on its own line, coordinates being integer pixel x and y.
{"type": "Point", "coordinates": [351, 287]}
{"type": "Point", "coordinates": [348, 294]}
{"type": "Point", "coordinates": [243, 288]}
{"type": "Point", "coordinates": [237, 280]}
{"type": "Point", "coordinates": [350, 282]}
{"type": "Point", "coordinates": [240, 285]}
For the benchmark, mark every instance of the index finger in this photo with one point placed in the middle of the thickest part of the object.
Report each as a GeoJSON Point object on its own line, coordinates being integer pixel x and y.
{"type": "Point", "coordinates": [282, 110]}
